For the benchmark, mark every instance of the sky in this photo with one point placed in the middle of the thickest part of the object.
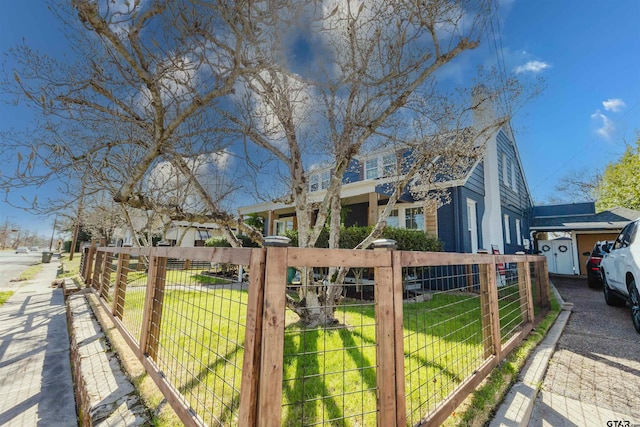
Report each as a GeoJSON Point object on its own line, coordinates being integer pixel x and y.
{"type": "Point", "coordinates": [587, 52]}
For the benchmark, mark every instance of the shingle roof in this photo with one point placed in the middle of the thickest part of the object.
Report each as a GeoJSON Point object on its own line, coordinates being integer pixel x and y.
{"type": "Point", "coordinates": [615, 218]}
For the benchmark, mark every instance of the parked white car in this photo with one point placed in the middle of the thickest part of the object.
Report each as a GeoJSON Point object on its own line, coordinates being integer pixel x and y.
{"type": "Point", "coordinates": [620, 269]}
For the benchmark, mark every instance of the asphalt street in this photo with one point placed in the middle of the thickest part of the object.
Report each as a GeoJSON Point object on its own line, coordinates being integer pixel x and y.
{"type": "Point", "coordinates": [12, 264]}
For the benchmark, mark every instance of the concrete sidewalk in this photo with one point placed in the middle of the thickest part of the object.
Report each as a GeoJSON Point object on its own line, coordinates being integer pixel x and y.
{"type": "Point", "coordinates": [36, 387]}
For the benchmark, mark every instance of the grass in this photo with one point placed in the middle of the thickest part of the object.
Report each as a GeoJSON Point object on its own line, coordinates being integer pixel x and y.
{"type": "Point", "coordinates": [478, 409]}
{"type": "Point", "coordinates": [201, 353]}
{"type": "Point", "coordinates": [329, 373]}
{"type": "Point", "coordinates": [29, 273]}
{"type": "Point", "coordinates": [5, 296]}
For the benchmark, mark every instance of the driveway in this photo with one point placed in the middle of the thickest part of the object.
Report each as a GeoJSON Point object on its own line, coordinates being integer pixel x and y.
{"type": "Point", "coordinates": [594, 375]}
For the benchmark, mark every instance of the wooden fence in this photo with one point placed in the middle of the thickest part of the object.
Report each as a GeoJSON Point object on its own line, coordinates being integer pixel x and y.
{"type": "Point", "coordinates": [412, 339]}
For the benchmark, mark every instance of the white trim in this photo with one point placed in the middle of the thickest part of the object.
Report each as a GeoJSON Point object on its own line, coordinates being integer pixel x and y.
{"type": "Point", "coordinates": [507, 229]}
{"type": "Point", "coordinates": [518, 232]}
{"type": "Point", "coordinates": [472, 221]}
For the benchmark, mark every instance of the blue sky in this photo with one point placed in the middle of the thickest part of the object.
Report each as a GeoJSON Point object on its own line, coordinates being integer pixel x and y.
{"type": "Point", "coordinates": [587, 51]}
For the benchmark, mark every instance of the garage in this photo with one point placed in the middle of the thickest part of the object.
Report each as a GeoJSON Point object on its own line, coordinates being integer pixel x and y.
{"type": "Point", "coordinates": [563, 233]}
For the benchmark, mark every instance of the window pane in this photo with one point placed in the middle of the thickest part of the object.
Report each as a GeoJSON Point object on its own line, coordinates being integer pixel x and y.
{"type": "Point", "coordinates": [371, 168]}
{"type": "Point", "coordinates": [389, 164]}
{"type": "Point", "coordinates": [313, 183]}
{"type": "Point", "coordinates": [325, 180]}
{"type": "Point", "coordinates": [393, 220]}
{"type": "Point", "coordinates": [414, 218]}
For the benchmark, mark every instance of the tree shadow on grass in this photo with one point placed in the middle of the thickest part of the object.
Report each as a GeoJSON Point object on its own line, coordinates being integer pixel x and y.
{"type": "Point", "coordinates": [231, 407]}
{"type": "Point", "coordinates": [307, 386]}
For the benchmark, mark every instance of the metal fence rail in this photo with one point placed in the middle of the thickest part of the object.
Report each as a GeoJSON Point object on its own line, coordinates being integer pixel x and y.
{"type": "Point", "coordinates": [411, 333]}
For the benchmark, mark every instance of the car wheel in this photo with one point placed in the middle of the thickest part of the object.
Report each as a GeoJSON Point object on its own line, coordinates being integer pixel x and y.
{"type": "Point", "coordinates": [593, 282]}
{"type": "Point", "coordinates": [609, 297]}
{"type": "Point", "coordinates": [634, 300]}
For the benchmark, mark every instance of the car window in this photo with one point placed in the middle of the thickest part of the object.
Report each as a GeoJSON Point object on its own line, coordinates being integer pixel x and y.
{"type": "Point", "coordinates": [632, 232]}
{"type": "Point", "coordinates": [626, 236]}
{"type": "Point", "coordinates": [619, 243]}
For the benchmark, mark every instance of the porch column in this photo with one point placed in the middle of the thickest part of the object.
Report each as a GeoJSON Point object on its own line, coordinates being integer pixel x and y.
{"type": "Point", "coordinates": [373, 209]}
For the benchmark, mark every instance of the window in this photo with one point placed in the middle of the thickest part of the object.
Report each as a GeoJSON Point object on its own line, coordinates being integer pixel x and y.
{"type": "Point", "coordinates": [518, 233]}
{"type": "Point", "coordinates": [410, 217]}
{"type": "Point", "coordinates": [283, 225]}
{"type": "Point", "coordinates": [371, 168]}
{"type": "Point", "coordinates": [203, 235]}
{"type": "Point", "coordinates": [389, 165]}
{"type": "Point", "coordinates": [314, 182]}
{"type": "Point", "coordinates": [504, 169]}
{"type": "Point", "coordinates": [472, 219]}
{"type": "Point", "coordinates": [324, 182]}
{"type": "Point", "coordinates": [393, 220]}
{"type": "Point", "coordinates": [414, 218]}
{"type": "Point", "coordinates": [514, 183]}
{"type": "Point", "coordinates": [507, 230]}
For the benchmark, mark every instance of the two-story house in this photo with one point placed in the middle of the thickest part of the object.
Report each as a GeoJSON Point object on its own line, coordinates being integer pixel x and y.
{"type": "Point", "coordinates": [490, 206]}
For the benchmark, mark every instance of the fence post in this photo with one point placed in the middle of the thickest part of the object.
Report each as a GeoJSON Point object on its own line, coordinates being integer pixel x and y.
{"type": "Point", "coordinates": [121, 285]}
{"type": "Point", "coordinates": [97, 272]}
{"type": "Point", "coordinates": [152, 314]}
{"type": "Point", "coordinates": [106, 275]}
{"type": "Point", "coordinates": [524, 285]}
{"type": "Point", "coordinates": [389, 338]}
{"type": "Point", "coordinates": [545, 291]}
{"type": "Point", "coordinates": [88, 267]}
{"type": "Point", "coordinates": [489, 307]}
{"type": "Point", "coordinates": [273, 318]}
{"type": "Point", "coordinates": [252, 341]}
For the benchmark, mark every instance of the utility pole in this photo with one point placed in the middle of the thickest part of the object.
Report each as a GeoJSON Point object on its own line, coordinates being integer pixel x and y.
{"type": "Point", "coordinates": [76, 227]}
{"type": "Point", "coordinates": [55, 222]}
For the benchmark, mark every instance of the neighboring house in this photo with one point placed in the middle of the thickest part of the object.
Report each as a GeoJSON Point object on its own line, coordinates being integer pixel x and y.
{"type": "Point", "coordinates": [490, 206]}
{"type": "Point", "coordinates": [581, 227]}
{"type": "Point", "coordinates": [181, 233]}
{"type": "Point", "coordinates": [191, 235]}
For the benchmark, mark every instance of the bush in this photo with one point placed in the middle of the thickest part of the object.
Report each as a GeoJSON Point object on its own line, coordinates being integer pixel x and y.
{"type": "Point", "coordinates": [213, 242]}
{"type": "Point", "coordinates": [407, 240]}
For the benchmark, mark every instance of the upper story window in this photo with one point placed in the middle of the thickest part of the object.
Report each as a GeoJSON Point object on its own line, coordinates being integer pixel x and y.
{"type": "Point", "coordinates": [324, 180]}
{"type": "Point", "coordinates": [371, 169]}
{"type": "Point", "coordinates": [514, 183]}
{"type": "Point", "coordinates": [505, 176]}
{"type": "Point", "coordinates": [314, 182]}
{"type": "Point", "coordinates": [319, 181]}
{"type": "Point", "coordinates": [389, 165]}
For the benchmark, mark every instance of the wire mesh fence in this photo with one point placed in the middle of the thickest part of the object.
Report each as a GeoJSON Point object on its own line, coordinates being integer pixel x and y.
{"type": "Point", "coordinates": [240, 336]}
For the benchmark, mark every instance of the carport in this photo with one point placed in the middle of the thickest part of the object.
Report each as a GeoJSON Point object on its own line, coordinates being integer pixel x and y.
{"type": "Point", "coordinates": [575, 226]}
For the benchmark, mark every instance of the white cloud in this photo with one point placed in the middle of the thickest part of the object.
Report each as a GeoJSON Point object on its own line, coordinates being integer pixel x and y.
{"type": "Point", "coordinates": [607, 127]}
{"type": "Point", "coordinates": [532, 66]}
{"type": "Point", "coordinates": [614, 104]}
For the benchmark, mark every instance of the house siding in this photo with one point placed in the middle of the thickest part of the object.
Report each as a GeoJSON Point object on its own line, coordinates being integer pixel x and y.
{"type": "Point", "coordinates": [516, 204]}
{"type": "Point", "coordinates": [475, 182]}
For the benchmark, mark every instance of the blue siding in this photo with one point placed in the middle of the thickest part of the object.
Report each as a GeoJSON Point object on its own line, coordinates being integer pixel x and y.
{"type": "Point", "coordinates": [475, 182]}
{"type": "Point", "coordinates": [353, 172]}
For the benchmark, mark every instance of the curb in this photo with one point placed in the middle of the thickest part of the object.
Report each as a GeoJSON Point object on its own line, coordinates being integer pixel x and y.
{"type": "Point", "coordinates": [517, 407]}
{"type": "Point", "coordinates": [104, 395]}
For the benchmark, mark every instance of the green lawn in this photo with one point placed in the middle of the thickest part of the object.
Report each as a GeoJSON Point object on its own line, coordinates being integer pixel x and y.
{"type": "Point", "coordinates": [5, 296]}
{"type": "Point", "coordinates": [328, 373]}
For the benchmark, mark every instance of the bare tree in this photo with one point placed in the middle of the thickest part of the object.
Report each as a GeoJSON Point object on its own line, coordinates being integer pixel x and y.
{"type": "Point", "coordinates": [578, 185]}
{"type": "Point", "coordinates": [295, 82]}
{"type": "Point", "coordinates": [139, 93]}
{"type": "Point", "coordinates": [368, 80]}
